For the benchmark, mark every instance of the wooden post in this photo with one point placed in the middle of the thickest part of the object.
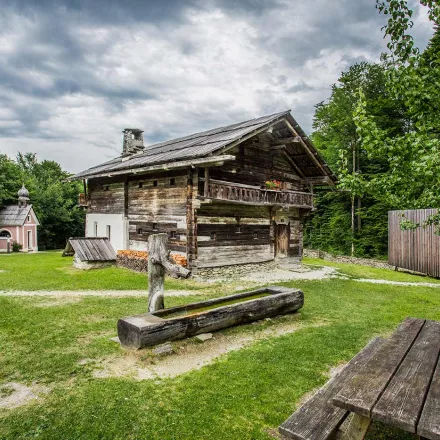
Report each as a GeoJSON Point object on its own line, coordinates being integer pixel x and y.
{"type": "Point", "coordinates": [159, 262]}
{"type": "Point", "coordinates": [357, 428]}
{"type": "Point", "coordinates": [206, 187]}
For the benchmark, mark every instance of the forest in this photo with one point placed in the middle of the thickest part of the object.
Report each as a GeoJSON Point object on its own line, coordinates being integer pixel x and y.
{"type": "Point", "coordinates": [379, 131]}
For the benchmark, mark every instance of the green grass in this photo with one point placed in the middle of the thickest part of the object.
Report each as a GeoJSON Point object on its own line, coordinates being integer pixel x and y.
{"type": "Point", "coordinates": [357, 271]}
{"type": "Point", "coordinates": [51, 271]}
{"type": "Point", "coordinates": [242, 396]}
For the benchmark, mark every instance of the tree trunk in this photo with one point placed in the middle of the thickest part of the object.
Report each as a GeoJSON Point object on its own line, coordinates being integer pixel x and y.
{"type": "Point", "coordinates": [158, 262]}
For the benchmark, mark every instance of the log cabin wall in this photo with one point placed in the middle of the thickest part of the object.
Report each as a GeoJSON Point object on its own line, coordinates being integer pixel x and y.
{"type": "Point", "coordinates": [233, 234]}
{"type": "Point", "coordinates": [158, 203]}
{"type": "Point", "coordinates": [106, 196]}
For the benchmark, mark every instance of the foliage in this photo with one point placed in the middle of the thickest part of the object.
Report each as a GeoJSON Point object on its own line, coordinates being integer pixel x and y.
{"type": "Point", "coordinates": [53, 198]}
{"type": "Point", "coordinates": [336, 136]}
{"type": "Point", "coordinates": [16, 247]}
{"type": "Point", "coordinates": [254, 388]}
{"type": "Point", "coordinates": [380, 131]}
{"type": "Point", "coordinates": [413, 156]}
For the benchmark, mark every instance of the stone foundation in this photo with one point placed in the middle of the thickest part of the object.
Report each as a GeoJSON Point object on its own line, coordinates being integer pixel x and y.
{"type": "Point", "coordinates": [313, 253]}
{"type": "Point", "coordinates": [236, 270]}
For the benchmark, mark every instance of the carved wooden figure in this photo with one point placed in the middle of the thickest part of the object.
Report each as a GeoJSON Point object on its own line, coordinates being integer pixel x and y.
{"type": "Point", "coordinates": [159, 262]}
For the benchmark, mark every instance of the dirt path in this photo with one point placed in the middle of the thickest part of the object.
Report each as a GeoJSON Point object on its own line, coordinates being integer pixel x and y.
{"type": "Point", "coordinates": [396, 283]}
{"type": "Point", "coordinates": [109, 293]}
{"type": "Point", "coordinates": [190, 355]}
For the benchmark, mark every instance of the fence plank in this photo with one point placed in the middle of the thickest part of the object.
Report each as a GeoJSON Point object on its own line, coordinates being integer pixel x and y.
{"type": "Point", "coordinates": [417, 249]}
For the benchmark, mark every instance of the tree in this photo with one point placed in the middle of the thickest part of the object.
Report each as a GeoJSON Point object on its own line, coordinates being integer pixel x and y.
{"type": "Point", "coordinates": [336, 136]}
{"type": "Point", "coordinates": [413, 155]}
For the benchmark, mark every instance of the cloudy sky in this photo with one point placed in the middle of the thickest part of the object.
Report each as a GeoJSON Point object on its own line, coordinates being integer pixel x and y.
{"type": "Point", "coordinates": [74, 73]}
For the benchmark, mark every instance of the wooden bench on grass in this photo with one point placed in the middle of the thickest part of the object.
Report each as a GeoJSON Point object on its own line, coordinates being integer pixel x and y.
{"type": "Point", "coordinates": [318, 418]}
{"type": "Point", "coordinates": [394, 380]}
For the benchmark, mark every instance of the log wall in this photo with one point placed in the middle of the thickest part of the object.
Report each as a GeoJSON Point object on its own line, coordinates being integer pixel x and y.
{"type": "Point", "coordinates": [417, 250]}
{"type": "Point", "coordinates": [233, 234]}
{"type": "Point", "coordinates": [256, 161]}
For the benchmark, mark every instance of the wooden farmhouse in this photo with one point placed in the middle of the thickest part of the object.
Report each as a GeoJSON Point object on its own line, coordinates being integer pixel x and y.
{"type": "Point", "coordinates": [228, 196]}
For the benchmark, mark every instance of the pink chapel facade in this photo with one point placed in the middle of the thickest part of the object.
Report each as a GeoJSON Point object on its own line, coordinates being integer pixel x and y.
{"type": "Point", "coordinates": [18, 223]}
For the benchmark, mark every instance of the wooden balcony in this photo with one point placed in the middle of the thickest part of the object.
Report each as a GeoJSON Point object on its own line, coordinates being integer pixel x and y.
{"type": "Point", "coordinates": [218, 190]}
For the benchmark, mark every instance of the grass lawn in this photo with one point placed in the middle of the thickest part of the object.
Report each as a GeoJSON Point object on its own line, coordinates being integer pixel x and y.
{"type": "Point", "coordinates": [51, 271]}
{"type": "Point", "coordinates": [356, 271]}
{"type": "Point", "coordinates": [243, 395]}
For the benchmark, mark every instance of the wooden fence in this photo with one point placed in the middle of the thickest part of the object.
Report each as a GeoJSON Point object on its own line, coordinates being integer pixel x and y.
{"type": "Point", "coordinates": [417, 249]}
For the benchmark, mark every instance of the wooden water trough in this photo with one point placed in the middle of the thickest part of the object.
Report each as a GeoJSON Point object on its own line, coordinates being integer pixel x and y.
{"type": "Point", "coordinates": [206, 316]}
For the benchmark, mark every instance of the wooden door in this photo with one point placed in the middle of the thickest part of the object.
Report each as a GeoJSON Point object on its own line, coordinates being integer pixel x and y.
{"type": "Point", "coordinates": [282, 234]}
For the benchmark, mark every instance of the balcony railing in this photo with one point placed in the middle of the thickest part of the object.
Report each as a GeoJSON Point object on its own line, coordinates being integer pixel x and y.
{"type": "Point", "coordinates": [248, 194]}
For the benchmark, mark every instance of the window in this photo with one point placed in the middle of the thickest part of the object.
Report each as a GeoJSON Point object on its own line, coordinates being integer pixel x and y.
{"type": "Point", "coordinates": [140, 231]}
{"type": "Point", "coordinates": [5, 233]}
{"type": "Point", "coordinates": [28, 218]}
{"type": "Point", "coordinates": [238, 229]}
{"type": "Point", "coordinates": [95, 228]}
{"type": "Point", "coordinates": [154, 183]}
{"type": "Point", "coordinates": [255, 234]}
{"type": "Point", "coordinates": [172, 181]}
{"type": "Point", "coordinates": [213, 235]}
{"type": "Point", "coordinates": [173, 235]}
{"type": "Point", "coordinates": [141, 184]}
{"type": "Point", "coordinates": [108, 231]}
{"type": "Point", "coordinates": [106, 188]}
{"type": "Point", "coordinates": [154, 226]}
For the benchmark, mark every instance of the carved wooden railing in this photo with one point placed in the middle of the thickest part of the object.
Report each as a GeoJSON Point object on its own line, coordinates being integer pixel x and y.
{"type": "Point", "coordinates": [237, 192]}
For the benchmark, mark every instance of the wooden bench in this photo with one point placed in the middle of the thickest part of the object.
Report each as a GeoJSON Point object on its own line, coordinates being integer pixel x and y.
{"type": "Point", "coordinates": [318, 418]}
{"type": "Point", "coordinates": [395, 381]}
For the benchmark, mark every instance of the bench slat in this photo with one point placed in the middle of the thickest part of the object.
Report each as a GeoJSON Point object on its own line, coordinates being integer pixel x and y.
{"type": "Point", "coordinates": [318, 418]}
{"type": "Point", "coordinates": [402, 402]}
{"type": "Point", "coordinates": [362, 392]}
{"type": "Point", "coordinates": [429, 424]}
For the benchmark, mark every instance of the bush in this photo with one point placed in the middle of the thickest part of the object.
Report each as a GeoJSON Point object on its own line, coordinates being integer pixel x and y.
{"type": "Point", "coordinates": [16, 247]}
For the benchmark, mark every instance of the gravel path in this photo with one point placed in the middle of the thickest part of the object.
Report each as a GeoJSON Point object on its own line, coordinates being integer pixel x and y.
{"type": "Point", "coordinates": [397, 283]}
{"type": "Point", "coordinates": [109, 293]}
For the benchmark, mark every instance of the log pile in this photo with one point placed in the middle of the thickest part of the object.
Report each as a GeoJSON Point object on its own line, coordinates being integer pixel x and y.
{"type": "Point", "coordinates": [138, 260]}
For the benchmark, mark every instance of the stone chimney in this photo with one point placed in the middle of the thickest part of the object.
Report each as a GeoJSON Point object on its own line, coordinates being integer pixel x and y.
{"type": "Point", "coordinates": [133, 141]}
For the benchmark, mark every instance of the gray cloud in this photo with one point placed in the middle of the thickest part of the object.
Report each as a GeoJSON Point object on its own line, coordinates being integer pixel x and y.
{"type": "Point", "coordinates": [74, 73]}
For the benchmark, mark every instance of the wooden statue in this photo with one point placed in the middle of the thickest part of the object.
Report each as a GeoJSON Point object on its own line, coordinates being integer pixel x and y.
{"type": "Point", "coordinates": [159, 261]}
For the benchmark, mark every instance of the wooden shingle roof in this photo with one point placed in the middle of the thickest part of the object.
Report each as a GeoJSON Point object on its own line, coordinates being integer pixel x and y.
{"type": "Point", "coordinates": [196, 145]}
{"type": "Point", "coordinates": [90, 249]}
{"type": "Point", "coordinates": [210, 144]}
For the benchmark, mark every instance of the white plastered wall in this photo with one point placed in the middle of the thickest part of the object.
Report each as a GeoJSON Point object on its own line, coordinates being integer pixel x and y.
{"type": "Point", "coordinates": [118, 228]}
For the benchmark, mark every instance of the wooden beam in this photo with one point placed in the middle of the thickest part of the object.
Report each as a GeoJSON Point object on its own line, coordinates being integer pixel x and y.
{"type": "Point", "coordinates": [310, 153]}
{"type": "Point", "coordinates": [206, 185]}
{"type": "Point", "coordinates": [319, 180]}
{"type": "Point", "coordinates": [287, 140]}
{"type": "Point", "coordinates": [211, 161]}
{"type": "Point", "coordinates": [357, 429]}
{"type": "Point", "coordinates": [292, 162]}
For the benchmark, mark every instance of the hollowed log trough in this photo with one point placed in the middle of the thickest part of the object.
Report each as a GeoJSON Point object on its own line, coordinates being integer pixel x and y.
{"type": "Point", "coordinates": [153, 328]}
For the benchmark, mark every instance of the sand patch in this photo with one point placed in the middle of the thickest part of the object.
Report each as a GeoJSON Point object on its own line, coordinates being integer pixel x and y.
{"type": "Point", "coordinates": [189, 355]}
{"type": "Point", "coordinates": [13, 395]}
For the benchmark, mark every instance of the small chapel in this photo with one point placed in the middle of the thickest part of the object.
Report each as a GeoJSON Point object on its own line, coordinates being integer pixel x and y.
{"type": "Point", "coordinates": [18, 223]}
